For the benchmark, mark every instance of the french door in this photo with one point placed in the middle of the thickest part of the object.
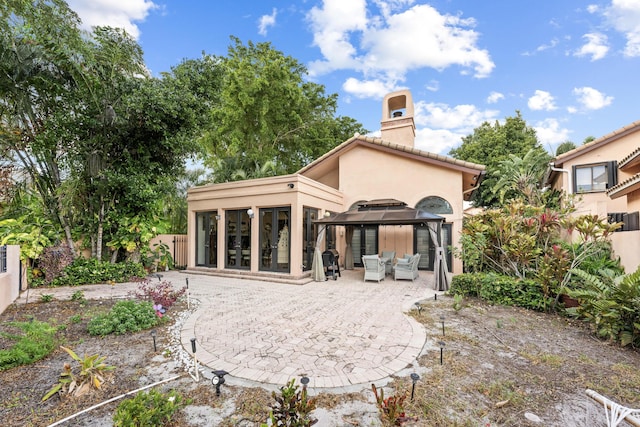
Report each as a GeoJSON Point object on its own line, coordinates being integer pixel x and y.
{"type": "Point", "coordinates": [207, 239]}
{"type": "Point", "coordinates": [422, 244]}
{"type": "Point", "coordinates": [364, 242]}
{"type": "Point", "coordinates": [275, 239]}
{"type": "Point", "coordinates": [238, 239]}
{"type": "Point", "coordinates": [309, 236]}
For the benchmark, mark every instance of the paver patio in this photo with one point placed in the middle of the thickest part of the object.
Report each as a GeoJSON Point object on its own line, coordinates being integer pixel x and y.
{"type": "Point", "coordinates": [338, 333]}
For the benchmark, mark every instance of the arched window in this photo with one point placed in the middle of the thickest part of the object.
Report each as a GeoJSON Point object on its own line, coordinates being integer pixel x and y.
{"type": "Point", "coordinates": [434, 205]}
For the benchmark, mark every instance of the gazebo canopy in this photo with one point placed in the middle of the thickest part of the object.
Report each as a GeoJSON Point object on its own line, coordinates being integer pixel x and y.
{"type": "Point", "coordinates": [381, 212]}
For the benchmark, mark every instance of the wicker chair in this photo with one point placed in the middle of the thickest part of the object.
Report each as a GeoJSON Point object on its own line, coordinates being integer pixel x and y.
{"type": "Point", "coordinates": [390, 256]}
{"type": "Point", "coordinates": [373, 268]}
{"type": "Point", "coordinates": [407, 268]}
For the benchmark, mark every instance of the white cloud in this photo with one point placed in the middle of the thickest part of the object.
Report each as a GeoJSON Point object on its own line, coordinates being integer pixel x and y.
{"type": "Point", "coordinates": [596, 46]}
{"type": "Point", "coordinates": [541, 100]}
{"type": "Point", "coordinates": [433, 86]}
{"type": "Point", "coordinates": [494, 97]}
{"type": "Point", "coordinates": [440, 127]}
{"type": "Point", "coordinates": [113, 13]}
{"type": "Point", "coordinates": [550, 132]}
{"type": "Point", "coordinates": [439, 141]}
{"type": "Point", "coordinates": [267, 21]}
{"type": "Point", "coordinates": [350, 36]}
{"type": "Point", "coordinates": [592, 99]}
{"type": "Point", "coordinates": [367, 88]}
{"type": "Point", "coordinates": [553, 43]}
{"type": "Point", "coordinates": [593, 8]}
{"type": "Point", "coordinates": [624, 15]}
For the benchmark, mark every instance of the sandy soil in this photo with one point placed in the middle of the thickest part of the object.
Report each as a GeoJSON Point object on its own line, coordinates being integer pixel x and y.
{"type": "Point", "coordinates": [501, 366]}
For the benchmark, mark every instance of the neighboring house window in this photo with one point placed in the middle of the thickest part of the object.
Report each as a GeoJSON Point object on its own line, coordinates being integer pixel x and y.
{"type": "Point", "coordinates": [3, 259]}
{"type": "Point", "coordinates": [434, 205]}
{"type": "Point", "coordinates": [595, 177]}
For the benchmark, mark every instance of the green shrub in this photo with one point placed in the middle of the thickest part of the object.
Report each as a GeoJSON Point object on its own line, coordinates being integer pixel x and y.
{"type": "Point", "coordinates": [46, 298]}
{"type": "Point", "coordinates": [36, 341]}
{"type": "Point", "coordinates": [611, 303]}
{"type": "Point", "coordinates": [467, 284]}
{"type": "Point", "coordinates": [502, 290]}
{"type": "Point", "coordinates": [89, 271]}
{"type": "Point", "coordinates": [124, 316]}
{"type": "Point", "coordinates": [148, 409]}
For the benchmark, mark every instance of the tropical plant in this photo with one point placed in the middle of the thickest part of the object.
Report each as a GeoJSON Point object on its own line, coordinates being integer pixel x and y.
{"type": "Point", "coordinates": [148, 409]}
{"type": "Point", "coordinates": [292, 407]}
{"type": "Point", "coordinates": [86, 271]}
{"type": "Point", "coordinates": [520, 177]}
{"type": "Point", "coordinates": [92, 372]}
{"type": "Point", "coordinates": [490, 144]}
{"type": "Point", "coordinates": [610, 302]}
{"type": "Point", "coordinates": [391, 409]}
{"type": "Point", "coordinates": [160, 293]}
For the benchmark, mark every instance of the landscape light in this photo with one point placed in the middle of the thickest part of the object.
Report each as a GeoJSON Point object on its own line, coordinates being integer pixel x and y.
{"type": "Point", "coordinates": [442, 320]}
{"type": "Point", "coordinates": [441, 344]}
{"type": "Point", "coordinates": [414, 378]}
{"type": "Point", "coordinates": [218, 379]}
{"type": "Point", "coordinates": [153, 335]}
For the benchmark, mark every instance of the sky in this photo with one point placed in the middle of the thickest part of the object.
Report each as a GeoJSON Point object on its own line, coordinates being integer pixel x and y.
{"type": "Point", "coordinates": [570, 67]}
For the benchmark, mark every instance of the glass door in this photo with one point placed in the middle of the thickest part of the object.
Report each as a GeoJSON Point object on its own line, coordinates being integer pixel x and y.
{"type": "Point", "coordinates": [207, 239]}
{"type": "Point", "coordinates": [275, 239]}
{"type": "Point", "coordinates": [422, 243]}
{"type": "Point", "coordinates": [238, 238]}
{"type": "Point", "coordinates": [364, 242]}
{"type": "Point", "coordinates": [309, 236]}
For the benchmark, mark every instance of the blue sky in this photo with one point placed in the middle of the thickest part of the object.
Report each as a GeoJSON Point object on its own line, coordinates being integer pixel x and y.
{"type": "Point", "coordinates": [570, 67]}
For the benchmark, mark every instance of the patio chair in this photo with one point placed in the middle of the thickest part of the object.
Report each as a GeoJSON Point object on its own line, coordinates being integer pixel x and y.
{"type": "Point", "coordinates": [390, 257]}
{"type": "Point", "coordinates": [373, 268]}
{"type": "Point", "coordinates": [407, 268]}
{"type": "Point", "coordinates": [330, 263]}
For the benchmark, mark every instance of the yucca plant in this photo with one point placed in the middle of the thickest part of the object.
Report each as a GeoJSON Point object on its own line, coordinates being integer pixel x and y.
{"type": "Point", "coordinates": [611, 303]}
{"type": "Point", "coordinates": [93, 373]}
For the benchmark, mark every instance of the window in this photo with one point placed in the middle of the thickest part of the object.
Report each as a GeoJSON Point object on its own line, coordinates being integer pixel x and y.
{"type": "Point", "coordinates": [594, 178]}
{"type": "Point", "coordinates": [434, 205]}
{"type": "Point", "coordinates": [3, 259]}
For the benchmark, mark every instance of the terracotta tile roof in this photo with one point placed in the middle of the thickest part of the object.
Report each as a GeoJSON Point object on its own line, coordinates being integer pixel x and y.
{"type": "Point", "coordinates": [624, 187]}
{"type": "Point", "coordinates": [396, 147]}
{"type": "Point", "coordinates": [629, 158]}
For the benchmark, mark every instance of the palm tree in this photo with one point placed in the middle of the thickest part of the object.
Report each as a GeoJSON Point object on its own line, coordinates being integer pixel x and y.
{"type": "Point", "coordinates": [521, 177]}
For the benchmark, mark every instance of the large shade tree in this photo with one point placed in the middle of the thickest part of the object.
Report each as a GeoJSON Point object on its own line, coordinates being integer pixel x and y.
{"type": "Point", "coordinates": [490, 144]}
{"type": "Point", "coordinates": [270, 120]}
{"type": "Point", "coordinates": [98, 139]}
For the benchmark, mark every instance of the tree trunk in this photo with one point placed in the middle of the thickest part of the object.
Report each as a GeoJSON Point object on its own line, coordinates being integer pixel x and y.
{"type": "Point", "coordinates": [100, 232]}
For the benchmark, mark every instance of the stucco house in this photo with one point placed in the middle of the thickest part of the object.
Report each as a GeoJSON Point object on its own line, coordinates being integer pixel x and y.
{"type": "Point", "coordinates": [605, 174]}
{"type": "Point", "coordinates": [267, 227]}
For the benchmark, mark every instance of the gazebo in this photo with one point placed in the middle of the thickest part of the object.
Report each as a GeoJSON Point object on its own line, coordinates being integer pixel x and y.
{"type": "Point", "coordinates": [383, 212]}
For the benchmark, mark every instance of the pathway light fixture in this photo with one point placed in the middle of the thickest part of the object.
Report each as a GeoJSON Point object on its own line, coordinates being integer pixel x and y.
{"type": "Point", "coordinates": [414, 378]}
{"type": "Point", "coordinates": [218, 379]}
{"type": "Point", "coordinates": [441, 344]}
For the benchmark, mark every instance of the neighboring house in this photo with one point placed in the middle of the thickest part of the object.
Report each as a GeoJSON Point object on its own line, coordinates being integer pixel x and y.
{"type": "Point", "coordinates": [266, 226]}
{"type": "Point", "coordinates": [605, 173]}
{"type": "Point", "coordinates": [10, 280]}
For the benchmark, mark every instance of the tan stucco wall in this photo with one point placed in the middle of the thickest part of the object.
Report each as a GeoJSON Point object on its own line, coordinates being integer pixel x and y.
{"type": "Point", "coordinates": [255, 194]}
{"type": "Point", "coordinates": [368, 174]}
{"type": "Point", "coordinates": [626, 245]}
{"type": "Point", "coordinates": [10, 280]}
{"type": "Point", "coordinates": [600, 203]}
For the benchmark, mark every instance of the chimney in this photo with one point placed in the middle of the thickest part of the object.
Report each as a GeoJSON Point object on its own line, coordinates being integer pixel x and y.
{"type": "Point", "coordinates": [397, 125]}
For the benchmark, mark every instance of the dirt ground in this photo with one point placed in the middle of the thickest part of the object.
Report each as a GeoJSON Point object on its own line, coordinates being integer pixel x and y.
{"type": "Point", "coordinates": [500, 366]}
